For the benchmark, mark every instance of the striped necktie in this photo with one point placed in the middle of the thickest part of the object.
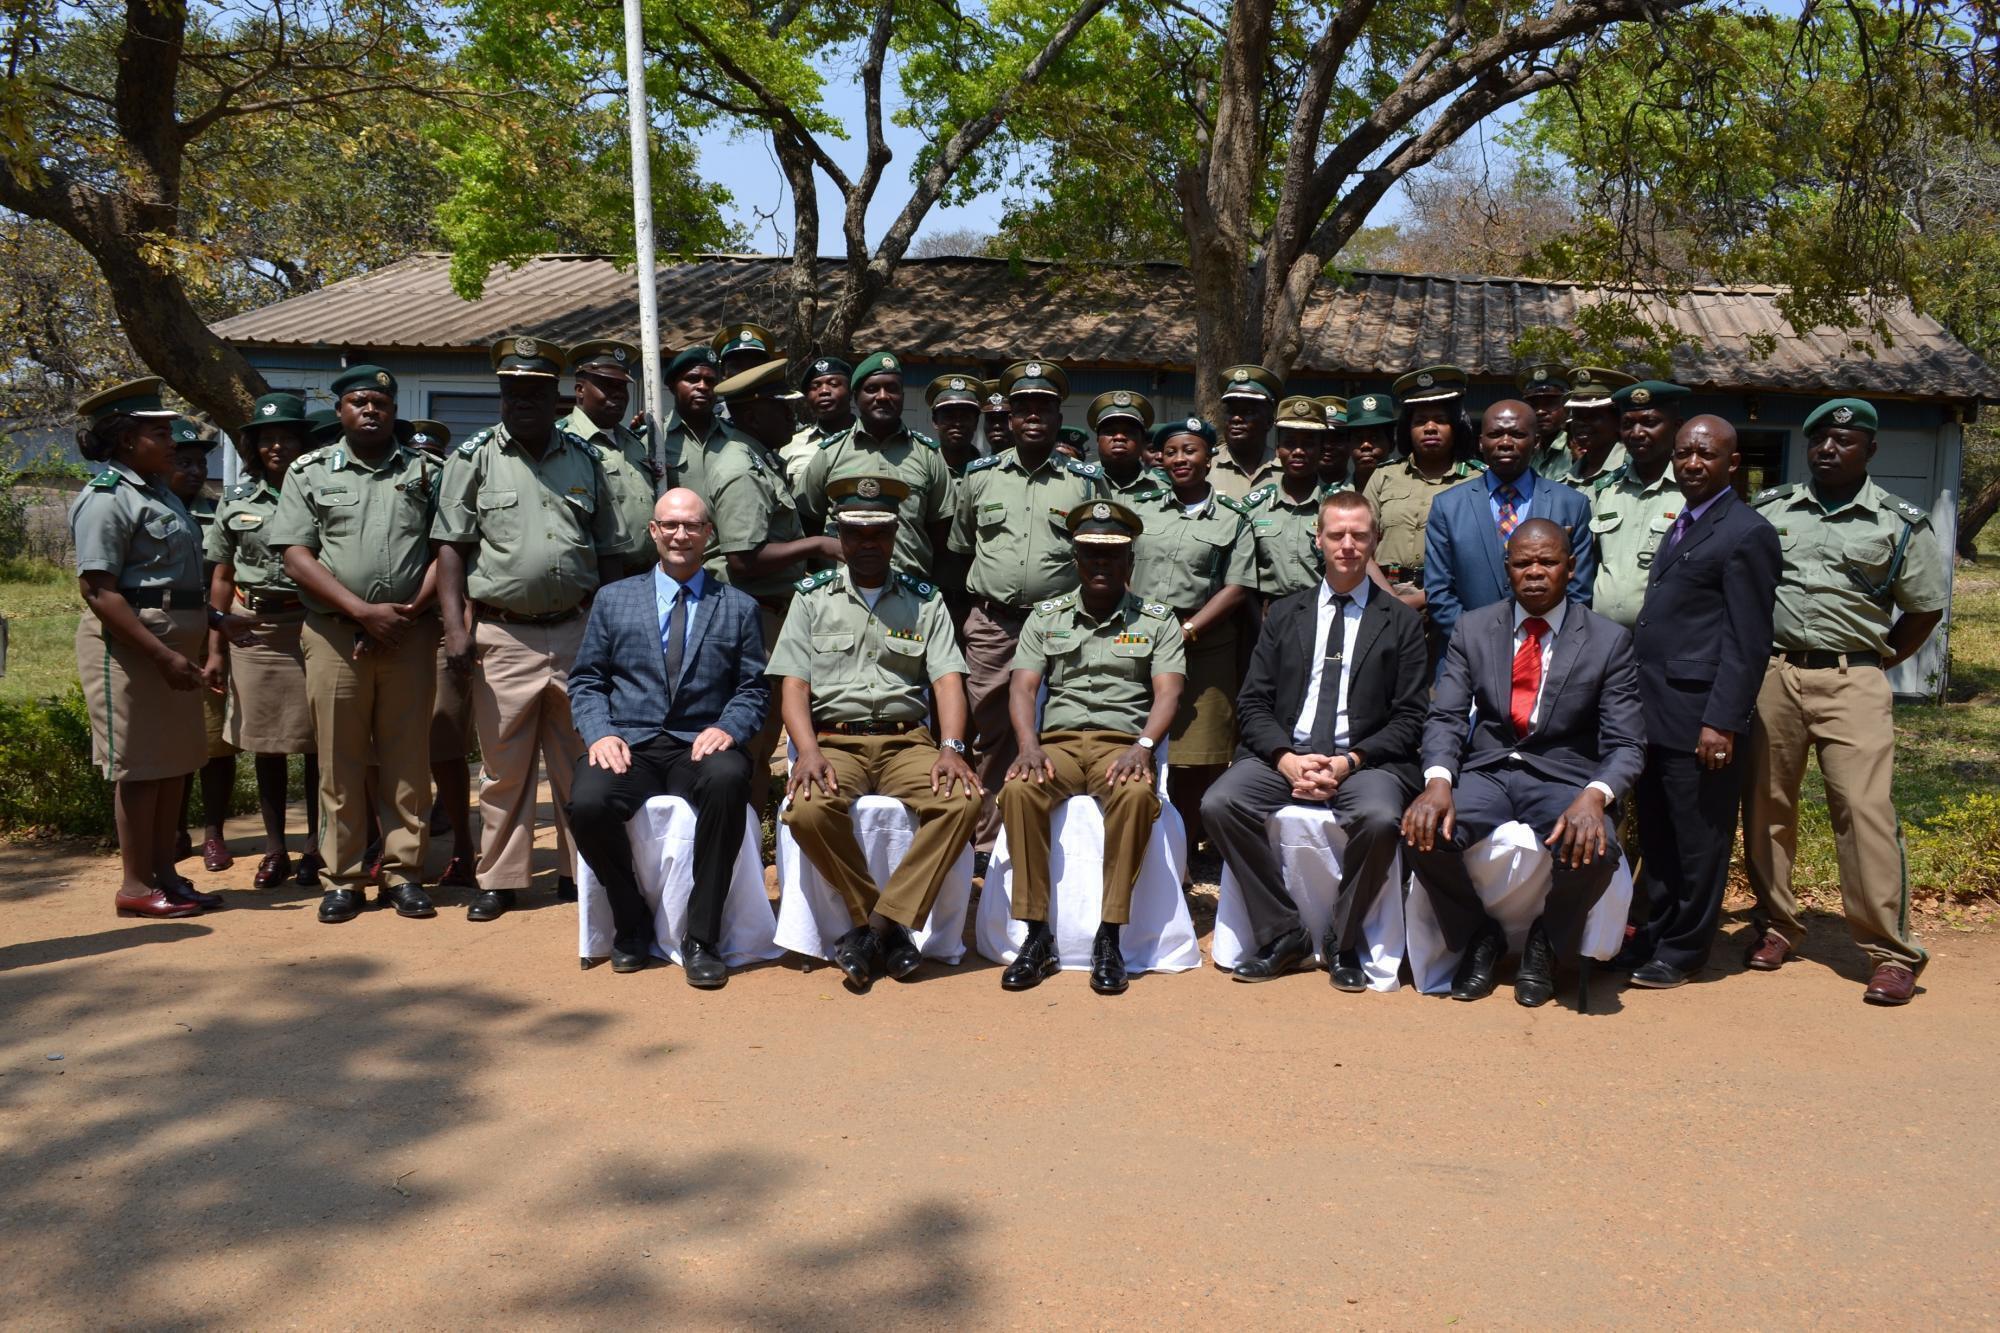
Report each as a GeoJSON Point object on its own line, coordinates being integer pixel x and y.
{"type": "Point", "coordinates": [1509, 517]}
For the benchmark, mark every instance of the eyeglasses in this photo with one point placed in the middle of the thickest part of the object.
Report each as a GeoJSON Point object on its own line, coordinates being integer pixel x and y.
{"type": "Point", "coordinates": [696, 526]}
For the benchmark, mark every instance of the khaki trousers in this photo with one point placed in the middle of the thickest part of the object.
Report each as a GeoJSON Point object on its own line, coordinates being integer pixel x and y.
{"type": "Point", "coordinates": [1080, 758]}
{"type": "Point", "coordinates": [520, 706]}
{"type": "Point", "coordinates": [898, 766]}
{"type": "Point", "coordinates": [371, 710]}
{"type": "Point", "coordinates": [989, 665]}
{"type": "Point", "coordinates": [1844, 714]}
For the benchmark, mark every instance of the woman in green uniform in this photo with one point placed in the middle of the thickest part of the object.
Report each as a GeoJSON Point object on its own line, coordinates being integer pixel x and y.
{"type": "Point", "coordinates": [140, 639]}
{"type": "Point", "coordinates": [268, 715]}
{"type": "Point", "coordinates": [1196, 557]}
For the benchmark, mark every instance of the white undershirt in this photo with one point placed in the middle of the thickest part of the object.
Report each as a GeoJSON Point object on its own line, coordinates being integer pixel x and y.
{"type": "Point", "coordinates": [871, 595]}
{"type": "Point", "coordinates": [1358, 600]}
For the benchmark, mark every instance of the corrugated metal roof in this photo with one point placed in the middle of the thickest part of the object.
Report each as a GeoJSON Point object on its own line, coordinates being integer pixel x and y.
{"type": "Point", "coordinates": [1140, 315]}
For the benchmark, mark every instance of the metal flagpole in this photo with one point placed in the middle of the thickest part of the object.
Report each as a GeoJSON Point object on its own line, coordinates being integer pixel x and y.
{"type": "Point", "coordinates": [642, 219]}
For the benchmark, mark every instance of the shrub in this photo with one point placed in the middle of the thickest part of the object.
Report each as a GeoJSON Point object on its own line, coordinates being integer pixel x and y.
{"type": "Point", "coordinates": [46, 777]}
{"type": "Point", "coordinates": [1956, 852]}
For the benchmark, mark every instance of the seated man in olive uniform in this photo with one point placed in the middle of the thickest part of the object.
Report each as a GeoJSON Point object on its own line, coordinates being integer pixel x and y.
{"type": "Point", "coordinates": [853, 661]}
{"type": "Point", "coordinates": [1114, 667]}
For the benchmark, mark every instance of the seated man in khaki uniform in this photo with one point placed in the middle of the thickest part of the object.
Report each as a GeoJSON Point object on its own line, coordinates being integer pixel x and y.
{"type": "Point", "coordinates": [1114, 666]}
{"type": "Point", "coordinates": [857, 651]}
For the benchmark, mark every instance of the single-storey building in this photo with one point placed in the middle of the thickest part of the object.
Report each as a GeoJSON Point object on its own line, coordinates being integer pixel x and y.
{"type": "Point", "coordinates": [1132, 326]}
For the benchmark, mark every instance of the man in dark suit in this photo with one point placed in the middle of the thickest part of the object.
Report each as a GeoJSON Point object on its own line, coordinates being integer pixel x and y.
{"type": "Point", "coordinates": [1465, 544]}
{"type": "Point", "coordinates": [667, 689]}
{"type": "Point", "coordinates": [1554, 740]}
{"type": "Point", "coordinates": [1702, 641]}
{"type": "Point", "coordinates": [1342, 733]}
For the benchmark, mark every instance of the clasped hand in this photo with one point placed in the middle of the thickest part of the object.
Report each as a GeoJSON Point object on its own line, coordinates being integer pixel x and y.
{"type": "Point", "coordinates": [1314, 777]}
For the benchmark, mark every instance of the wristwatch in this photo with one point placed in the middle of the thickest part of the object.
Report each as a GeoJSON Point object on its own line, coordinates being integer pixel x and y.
{"type": "Point", "coordinates": [956, 747]}
{"type": "Point", "coordinates": [1145, 743]}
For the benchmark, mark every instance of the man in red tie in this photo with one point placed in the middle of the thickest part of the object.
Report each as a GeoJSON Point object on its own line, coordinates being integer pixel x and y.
{"type": "Point", "coordinates": [1555, 738]}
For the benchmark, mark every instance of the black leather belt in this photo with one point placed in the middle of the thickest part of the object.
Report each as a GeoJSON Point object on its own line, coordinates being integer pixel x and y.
{"type": "Point", "coordinates": [999, 610]}
{"type": "Point", "coordinates": [1817, 660]}
{"type": "Point", "coordinates": [512, 618]}
{"type": "Point", "coordinates": [268, 601]}
{"type": "Point", "coordinates": [1403, 573]}
{"type": "Point", "coordinates": [163, 599]}
{"type": "Point", "coordinates": [865, 728]}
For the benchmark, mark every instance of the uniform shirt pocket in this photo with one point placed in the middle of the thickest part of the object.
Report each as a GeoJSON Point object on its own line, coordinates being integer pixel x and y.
{"type": "Point", "coordinates": [841, 642]}
{"type": "Point", "coordinates": [1869, 555]}
{"type": "Point", "coordinates": [500, 515]}
{"type": "Point", "coordinates": [1606, 522]}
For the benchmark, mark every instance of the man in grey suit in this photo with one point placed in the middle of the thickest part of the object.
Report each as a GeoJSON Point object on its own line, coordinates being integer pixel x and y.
{"type": "Point", "coordinates": [667, 689]}
{"type": "Point", "coordinates": [1555, 738]}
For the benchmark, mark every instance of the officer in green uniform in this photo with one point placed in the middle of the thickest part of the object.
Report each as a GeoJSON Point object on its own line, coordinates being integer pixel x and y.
{"type": "Point", "coordinates": [954, 403]}
{"type": "Point", "coordinates": [1632, 508]}
{"type": "Point", "coordinates": [1012, 522]}
{"type": "Point", "coordinates": [994, 419]}
{"type": "Point", "coordinates": [322, 427]}
{"type": "Point", "coordinates": [353, 524]}
{"type": "Point", "coordinates": [1337, 449]}
{"type": "Point", "coordinates": [1284, 515]}
{"type": "Point", "coordinates": [1592, 420]}
{"type": "Point", "coordinates": [1863, 585]}
{"type": "Point", "coordinates": [1403, 492]}
{"type": "Point", "coordinates": [1250, 397]}
{"type": "Point", "coordinates": [692, 425]}
{"type": "Point", "coordinates": [1121, 420]}
{"type": "Point", "coordinates": [1543, 387]}
{"type": "Point", "coordinates": [880, 445]}
{"type": "Point", "coordinates": [528, 527]}
{"type": "Point", "coordinates": [1369, 435]}
{"type": "Point", "coordinates": [740, 347]}
{"type": "Point", "coordinates": [866, 657]}
{"type": "Point", "coordinates": [603, 368]}
{"type": "Point", "coordinates": [829, 402]}
{"type": "Point", "coordinates": [1114, 666]}
{"type": "Point", "coordinates": [217, 777]}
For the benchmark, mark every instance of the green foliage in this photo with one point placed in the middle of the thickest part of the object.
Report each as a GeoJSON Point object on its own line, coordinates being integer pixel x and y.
{"type": "Point", "coordinates": [1955, 854]}
{"type": "Point", "coordinates": [46, 778]}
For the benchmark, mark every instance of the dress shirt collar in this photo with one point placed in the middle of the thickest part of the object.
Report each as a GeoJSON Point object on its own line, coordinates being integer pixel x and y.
{"type": "Point", "coordinates": [1697, 511]}
{"type": "Point", "coordinates": [1359, 597]}
{"type": "Point", "coordinates": [1525, 483]}
{"type": "Point", "coordinates": [666, 587]}
{"type": "Point", "coordinates": [1554, 616]}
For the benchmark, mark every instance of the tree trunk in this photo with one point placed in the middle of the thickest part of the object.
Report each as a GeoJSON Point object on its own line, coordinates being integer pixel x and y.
{"type": "Point", "coordinates": [1973, 516]}
{"type": "Point", "coordinates": [802, 281]}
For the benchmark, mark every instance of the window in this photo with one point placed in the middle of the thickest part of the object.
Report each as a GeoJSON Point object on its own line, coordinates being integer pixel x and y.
{"type": "Point", "coordinates": [1763, 453]}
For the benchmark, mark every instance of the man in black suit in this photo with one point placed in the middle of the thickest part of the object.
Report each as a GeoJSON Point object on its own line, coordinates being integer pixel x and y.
{"type": "Point", "coordinates": [1702, 641]}
{"type": "Point", "coordinates": [1554, 740]}
{"type": "Point", "coordinates": [1341, 733]}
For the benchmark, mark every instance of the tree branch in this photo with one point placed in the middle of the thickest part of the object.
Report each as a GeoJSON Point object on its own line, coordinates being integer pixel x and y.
{"type": "Point", "coordinates": [772, 105]}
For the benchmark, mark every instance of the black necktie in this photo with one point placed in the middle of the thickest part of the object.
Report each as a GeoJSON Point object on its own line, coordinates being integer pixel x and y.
{"type": "Point", "coordinates": [1324, 717]}
{"type": "Point", "coordinates": [676, 636]}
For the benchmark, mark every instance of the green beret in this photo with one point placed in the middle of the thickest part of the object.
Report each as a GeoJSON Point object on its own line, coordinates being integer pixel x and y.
{"type": "Point", "coordinates": [323, 426]}
{"type": "Point", "coordinates": [1542, 378]}
{"type": "Point", "coordinates": [1593, 386]}
{"type": "Point", "coordinates": [1166, 430]}
{"type": "Point", "coordinates": [1035, 376]}
{"type": "Point", "coordinates": [1252, 382]}
{"type": "Point", "coordinates": [1432, 384]}
{"type": "Point", "coordinates": [1103, 523]}
{"type": "Point", "coordinates": [362, 377]}
{"type": "Point", "coordinates": [738, 337]}
{"type": "Point", "coordinates": [881, 363]}
{"type": "Point", "coordinates": [434, 436]}
{"type": "Point", "coordinates": [1649, 393]}
{"type": "Point", "coordinates": [1853, 413]}
{"type": "Point", "coordinates": [1371, 409]}
{"type": "Point", "coordinates": [770, 380]}
{"type": "Point", "coordinates": [687, 359]}
{"type": "Point", "coordinates": [520, 355]}
{"type": "Point", "coordinates": [1336, 410]}
{"type": "Point", "coordinates": [277, 409]}
{"type": "Point", "coordinates": [187, 435]}
{"type": "Point", "coordinates": [605, 356]}
{"type": "Point", "coordinates": [866, 502]}
{"type": "Point", "coordinates": [1301, 413]}
{"type": "Point", "coordinates": [946, 390]}
{"type": "Point", "coordinates": [825, 365]}
{"type": "Point", "coordinates": [1120, 403]}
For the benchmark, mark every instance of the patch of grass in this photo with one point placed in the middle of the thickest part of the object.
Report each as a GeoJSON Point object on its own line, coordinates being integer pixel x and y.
{"type": "Point", "coordinates": [41, 605]}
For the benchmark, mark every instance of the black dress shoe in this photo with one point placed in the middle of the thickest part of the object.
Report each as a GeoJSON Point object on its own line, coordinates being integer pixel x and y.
{"type": "Point", "coordinates": [1347, 972]}
{"type": "Point", "coordinates": [630, 960]}
{"type": "Point", "coordinates": [1036, 961]}
{"type": "Point", "coordinates": [340, 905]}
{"type": "Point", "coordinates": [309, 867]}
{"type": "Point", "coordinates": [854, 954]}
{"type": "Point", "coordinates": [489, 904]}
{"type": "Point", "coordinates": [1479, 971]}
{"type": "Point", "coordinates": [409, 900]}
{"type": "Point", "coordinates": [898, 953]}
{"type": "Point", "coordinates": [179, 886]}
{"type": "Point", "coordinates": [1657, 975]}
{"type": "Point", "coordinates": [703, 965]}
{"type": "Point", "coordinates": [1287, 953]}
{"type": "Point", "coordinates": [1107, 965]}
{"type": "Point", "coordinates": [565, 889]}
{"type": "Point", "coordinates": [1535, 980]}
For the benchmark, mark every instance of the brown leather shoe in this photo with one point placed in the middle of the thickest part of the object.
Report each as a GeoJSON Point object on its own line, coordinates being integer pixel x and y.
{"type": "Point", "coordinates": [275, 868]}
{"type": "Point", "coordinates": [1770, 953]}
{"type": "Point", "coordinates": [215, 855]}
{"type": "Point", "coordinates": [153, 903]}
{"type": "Point", "coordinates": [1891, 984]}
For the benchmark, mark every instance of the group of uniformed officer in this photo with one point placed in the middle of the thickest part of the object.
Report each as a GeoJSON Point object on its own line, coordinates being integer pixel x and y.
{"type": "Point", "coordinates": [1058, 617]}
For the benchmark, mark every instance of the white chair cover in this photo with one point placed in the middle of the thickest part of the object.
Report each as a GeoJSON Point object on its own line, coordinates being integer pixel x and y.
{"type": "Point", "coordinates": [663, 835]}
{"type": "Point", "coordinates": [1309, 843]}
{"type": "Point", "coordinates": [1160, 937]}
{"type": "Point", "coordinates": [1511, 872]}
{"type": "Point", "coordinates": [811, 913]}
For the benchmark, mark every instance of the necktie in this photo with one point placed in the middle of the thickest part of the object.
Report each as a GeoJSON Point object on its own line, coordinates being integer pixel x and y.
{"type": "Point", "coordinates": [676, 642]}
{"type": "Point", "coordinates": [1509, 520]}
{"type": "Point", "coordinates": [1325, 712]}
{"type": "Point", "coordinates": [1675, 533]}
{"type": "Point", "coordinates": [1527, 675]}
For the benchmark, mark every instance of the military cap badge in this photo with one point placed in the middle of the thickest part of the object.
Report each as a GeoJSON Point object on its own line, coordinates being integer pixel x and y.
{"type": "Point", "coordinates": [748, 335]}
{"type": "Point", "coordinates": [1240, 375]}
{"type": "Point", "coordinates": [270, 409]}
{"type": "Point", "coordinates": [957, 382]}
{"type": "Point", "coordinates": [1584, 376]}
{"type": "Point", "coordinates": [524, 346]}
{"type": "Point", "coordinates": [1842, 415]}
{"type": "Point", "coordinates": [868, 488]}
{"type": "Point", "coordinates": [617, 354]}
{"type": "Point", "coordinates": [820, 365]}
{"type": "Point", "coordinates": [1641, 396]}
{"type": "Point", "coordinates": [1424, 381]}
{"type": "Point", "coordinates": [382, 378]}
{"type": "Point", "coordinates": [888, 363]}
{"type": "Point", "coordinates": [1368, 403]}
{"type": "Point", "coordinates": [1100, 510]}
{"type": "Point", "coordinates": [1122, 399]}
{"type": "Point", "coordinates": [1541, 372]}
{"type": "Point", "coordinates": [1032, 370]}
{"type": "Point", "coordinates": [1194, 423]}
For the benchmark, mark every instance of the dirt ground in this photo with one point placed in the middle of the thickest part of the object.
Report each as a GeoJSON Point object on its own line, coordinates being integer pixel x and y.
{"type": "Point", "coordinates": [256, 1121]}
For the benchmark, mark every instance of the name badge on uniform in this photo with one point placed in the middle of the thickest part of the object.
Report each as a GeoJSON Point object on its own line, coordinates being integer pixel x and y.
{"type": "Point", "coordinates": [579, 490]}
{"type": "Point", "coordinates": [1058, 634]}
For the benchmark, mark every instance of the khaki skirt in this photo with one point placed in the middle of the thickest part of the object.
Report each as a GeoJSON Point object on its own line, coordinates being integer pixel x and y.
{"type": "Point", "coordinates": [1204, 730]}
{"type": "Point", "coordinates": [141, 728]}
{"type": "Point", "coordinates": [268, 713]}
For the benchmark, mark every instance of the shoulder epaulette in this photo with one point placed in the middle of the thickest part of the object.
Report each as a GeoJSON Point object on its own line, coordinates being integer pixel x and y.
{"type": "Point", "coordinates": [1158, 609]}
{"type": "Point", "coordinates": [1240, 506]}
{"type": "Point", "coordinates": [107, 480]}
{"type": "Point", "coordinates": [1090, 470]}
{"type": "Point", "coordinates": [1476, 464]}
{"type": "Point", "coordinates": [1771, 493]}
{"type": "Point", "coordinates": [981, 464]}
{"type": "Point", "coordinates": [819, 580]}
{"type": "Point", "coordinates": [827, 442]}
{"type": "Point", "coordinates": [1055, 603]}
{"type": "Point", "coordinates": [1151, 493]}
{"type": "Point", "coordinates": [242, 490]}
{"type": "Point", "coordinates": [1258, 496]}
{"type": "Point", "coordinates": [916, 585]}
{"type": "Point", "coordinates": [309, 456]}
{"type": "Point", "coordinates": [924, 439]}
{"type": "Point", "coordinates": [1912, 514]}
{"type": "Point", "coordinates": [1599, 483]}
{"type": "Point", "coordinates": [470, 445]}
